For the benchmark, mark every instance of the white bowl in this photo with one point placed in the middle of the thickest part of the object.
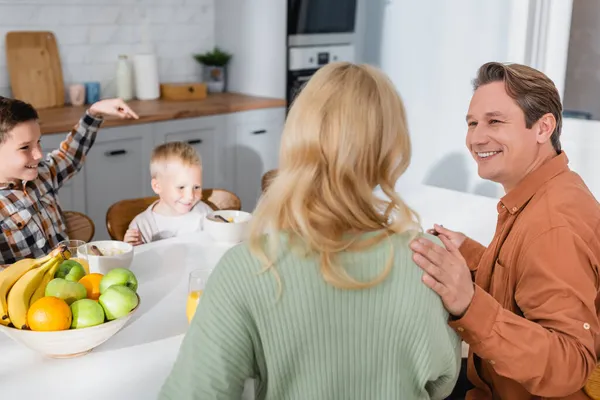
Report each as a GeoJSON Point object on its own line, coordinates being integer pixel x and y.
{"type": "Point", "coordinates": [103, 264]}
{"type": "Point", "coordinates": [70, 342]}
{"type": "Point", "coordinates": [233, 232]}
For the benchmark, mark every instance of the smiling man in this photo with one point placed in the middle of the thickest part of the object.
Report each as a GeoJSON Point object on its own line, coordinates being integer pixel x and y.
{"type": "Point", "coordinates": [526, 304]}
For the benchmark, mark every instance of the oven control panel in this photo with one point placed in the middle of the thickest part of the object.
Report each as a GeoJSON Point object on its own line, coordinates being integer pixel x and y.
{"type": "Point", "coordinates": [313, 57]}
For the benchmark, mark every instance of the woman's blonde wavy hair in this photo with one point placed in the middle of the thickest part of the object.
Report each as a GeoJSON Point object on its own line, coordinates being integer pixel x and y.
{"type": "Point", "coordinates": [346, 133]}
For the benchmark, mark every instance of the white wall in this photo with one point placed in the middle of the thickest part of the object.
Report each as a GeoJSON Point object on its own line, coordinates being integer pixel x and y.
{"type": "Point", "coordinates": [431, 50]}
{"type": "Point", "coordinates": [92, 33]}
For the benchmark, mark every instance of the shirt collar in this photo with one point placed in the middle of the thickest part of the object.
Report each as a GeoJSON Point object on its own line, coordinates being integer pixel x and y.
{"type": "Point", "coordinates": [516, 198]}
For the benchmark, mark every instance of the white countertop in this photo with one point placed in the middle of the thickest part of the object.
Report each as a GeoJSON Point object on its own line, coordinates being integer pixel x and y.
{"type": "Point", "coordinates": [134, 363]}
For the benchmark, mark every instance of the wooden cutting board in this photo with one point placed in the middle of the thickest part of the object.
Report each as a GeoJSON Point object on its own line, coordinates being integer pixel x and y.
{"type": "Point", "coordinates": [34, 68]}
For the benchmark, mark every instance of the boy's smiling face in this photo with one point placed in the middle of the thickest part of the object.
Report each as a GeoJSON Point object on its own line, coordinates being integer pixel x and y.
{"type": "Point", "coordinates": [20, 153]}
{"type": "Point", "coordinates": [179, 187]}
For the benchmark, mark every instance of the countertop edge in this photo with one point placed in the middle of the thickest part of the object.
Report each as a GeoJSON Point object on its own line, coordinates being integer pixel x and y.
{"type": "Point", "coordinates": [63, 119]}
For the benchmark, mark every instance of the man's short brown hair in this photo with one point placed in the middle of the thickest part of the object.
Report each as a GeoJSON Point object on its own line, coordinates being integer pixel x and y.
{"type": "Point", "coordinates": [12, 113]}
{"type": "Point", "coordinates": [533, 91]}
{"type": "Point", "coordinates": [173, 151]}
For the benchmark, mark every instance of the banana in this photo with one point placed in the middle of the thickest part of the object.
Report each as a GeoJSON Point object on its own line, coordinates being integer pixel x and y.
{"type": "Point", "coordinates": [9, 276]}
{"type": "Point", "coordinates": [20, 293]}
{"type": "Point", "coordinates": [41, 289]}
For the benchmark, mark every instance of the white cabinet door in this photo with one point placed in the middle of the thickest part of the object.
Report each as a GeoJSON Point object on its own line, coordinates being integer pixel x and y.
{"type": "Point", "coordinates": [72, 194]}
{"type": "Point", "coordinates": [117, 168]}
{"type": "Point", "coordinates": [205, 135]}
{"type": "Point", "coordinates": [255, 151]}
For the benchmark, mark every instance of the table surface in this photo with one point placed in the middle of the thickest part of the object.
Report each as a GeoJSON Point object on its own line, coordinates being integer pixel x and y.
{"type": "Point", "coordinates": [134, 363]}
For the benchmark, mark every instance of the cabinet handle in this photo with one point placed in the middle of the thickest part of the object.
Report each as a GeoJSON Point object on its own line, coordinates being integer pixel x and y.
{"type": "Point", "coordinates": [260, 132]}
{"type": "Point", "coordinates": [115, 153]}
{"type": "Point", "coordinates": [194, 141]}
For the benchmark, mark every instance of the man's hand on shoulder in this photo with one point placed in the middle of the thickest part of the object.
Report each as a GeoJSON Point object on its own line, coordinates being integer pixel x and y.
{"type": "Point", "coordinates": [112, 107]}
{"type": "Point", "coordinates": [456, 238]}
{"type": "Point", "coordinates": [446, 273]}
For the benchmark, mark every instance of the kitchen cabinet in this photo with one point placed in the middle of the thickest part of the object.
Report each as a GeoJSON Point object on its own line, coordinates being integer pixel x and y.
{"type": "Point", "coordinates": [236, 150]}
{"type": "Point", "coordinates": [254, 139]}
{"type": "Point", "coordinates": [117, 168]}
{"type": "Point", "coordinates": [72, 193]}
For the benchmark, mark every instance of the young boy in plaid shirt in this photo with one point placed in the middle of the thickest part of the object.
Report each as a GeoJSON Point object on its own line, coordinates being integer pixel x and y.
{"type": "Point", "coordinates": [31, 219]}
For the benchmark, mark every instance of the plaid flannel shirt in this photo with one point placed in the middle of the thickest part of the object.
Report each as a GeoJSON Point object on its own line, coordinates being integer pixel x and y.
{"type": "Point", "coordinates": [31, 218]}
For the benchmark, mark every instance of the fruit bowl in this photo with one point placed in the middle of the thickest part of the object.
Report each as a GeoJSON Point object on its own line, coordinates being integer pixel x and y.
{"type": "Point", "coordinates": [234, 231]}
{"type": "Point", "coordinates": [71, 342]}
{"type": "Point", "coordinates": [117, 254]}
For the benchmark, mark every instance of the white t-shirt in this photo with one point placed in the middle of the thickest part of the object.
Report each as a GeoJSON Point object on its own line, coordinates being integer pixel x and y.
{"type": "Point", "coordinates": [154, 226]}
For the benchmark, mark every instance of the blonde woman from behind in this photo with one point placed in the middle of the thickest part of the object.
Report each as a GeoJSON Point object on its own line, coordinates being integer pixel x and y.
{"type": "Point", "coordinates": [324, 301]}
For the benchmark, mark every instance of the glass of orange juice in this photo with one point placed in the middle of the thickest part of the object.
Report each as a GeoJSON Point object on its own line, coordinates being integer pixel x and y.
{"type": "Point", "coordinates": [81, 256]}
{"type": "Point", "coordinates": [197, 281]}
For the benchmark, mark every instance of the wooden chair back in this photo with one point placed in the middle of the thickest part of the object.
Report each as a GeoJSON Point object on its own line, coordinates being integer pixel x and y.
{"type": "Point", "coordinates": [267, 178]}
{"type": "Point", "coordinates": [592, 386]}
{"type": "Point", "coordinates": [79, 226]}
{"type": "Point", "coordinates": [120, 214]}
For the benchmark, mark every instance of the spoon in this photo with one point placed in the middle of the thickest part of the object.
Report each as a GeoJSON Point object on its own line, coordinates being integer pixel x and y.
{"type": "Point", "coordinates": [221, 218]}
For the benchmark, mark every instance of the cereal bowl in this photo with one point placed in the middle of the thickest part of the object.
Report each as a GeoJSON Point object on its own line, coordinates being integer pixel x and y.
{"type": "Point", "coordinates": [235, 230]}
{"type": "Point", "coordinates": [115, 254]}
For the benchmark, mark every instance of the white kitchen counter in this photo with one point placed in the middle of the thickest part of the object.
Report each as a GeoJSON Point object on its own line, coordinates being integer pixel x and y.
{"type": "Point", "coordinates": [134, 363]}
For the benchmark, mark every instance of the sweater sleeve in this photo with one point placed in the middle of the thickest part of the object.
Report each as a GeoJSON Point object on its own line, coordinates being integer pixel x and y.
{"type": "Point", "coordinates": [217, 355]}
{"type": "Point", "coordinates": [448, 364]}
{"type": "Point", "coordinates": [444, 345]}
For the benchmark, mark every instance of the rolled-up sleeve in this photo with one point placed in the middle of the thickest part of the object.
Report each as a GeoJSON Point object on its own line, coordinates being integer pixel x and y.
{"type": "Point", "coordinates": [550, 350]}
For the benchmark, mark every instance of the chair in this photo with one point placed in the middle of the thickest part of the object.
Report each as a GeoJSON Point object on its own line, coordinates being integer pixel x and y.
{"type": "Point", "coordinates": [120, 214]}
{"type": "Point", "coordinates": [592, 386]}
{"type": "Point", "coordinates": [267, 178]}
{"type": "Point", "coordinates": [79, 226]}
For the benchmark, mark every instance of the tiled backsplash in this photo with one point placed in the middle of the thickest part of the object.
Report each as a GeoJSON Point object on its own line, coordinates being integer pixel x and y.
{"type": "Point", "coordinates": [92, 33]}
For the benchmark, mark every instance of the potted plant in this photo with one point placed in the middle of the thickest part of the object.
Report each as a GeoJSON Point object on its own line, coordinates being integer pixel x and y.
{"type": "Point", "coordinates": [214, 68]}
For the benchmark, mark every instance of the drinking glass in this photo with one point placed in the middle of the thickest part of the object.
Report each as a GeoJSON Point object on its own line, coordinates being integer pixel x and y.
{"type": "Point", "coordinates": [196, 284]}
{"type": "Point", "coordinates": [82, 256]}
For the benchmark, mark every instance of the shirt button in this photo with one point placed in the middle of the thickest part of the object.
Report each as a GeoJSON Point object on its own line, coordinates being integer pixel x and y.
{"type": "Point", "coordinates": [460, 329]}
{"type": "Point", "coordinates": [19, 224]}
{"type": "Point", "coordinates": [586, 326]}
{"type": "Point", "coordinates": [514, 209]}
{"type": "Point", "coordinates": [492, 362]}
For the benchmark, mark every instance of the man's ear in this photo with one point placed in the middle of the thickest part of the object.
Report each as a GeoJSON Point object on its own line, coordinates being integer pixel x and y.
{"type": "Point", "coordinates": [545, 127]}
{"type": "Point", "coordinates": [155, 186]}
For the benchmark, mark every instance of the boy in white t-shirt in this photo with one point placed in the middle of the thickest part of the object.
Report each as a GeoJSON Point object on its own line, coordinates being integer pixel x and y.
{"type": "Point", "coordinates": [176, 171]}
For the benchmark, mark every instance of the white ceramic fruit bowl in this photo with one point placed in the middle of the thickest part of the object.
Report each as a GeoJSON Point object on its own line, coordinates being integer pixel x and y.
{"type": "Point", "coordinates": [117, 255]}
{"type": "Point", "coordinates": [71, 342]}
{"type": "Point", "coordinates": [232, 232]}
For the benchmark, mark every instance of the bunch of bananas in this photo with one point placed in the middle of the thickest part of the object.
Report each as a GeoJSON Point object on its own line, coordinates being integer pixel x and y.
{"type": "Point", "coordinates": [24, 282]}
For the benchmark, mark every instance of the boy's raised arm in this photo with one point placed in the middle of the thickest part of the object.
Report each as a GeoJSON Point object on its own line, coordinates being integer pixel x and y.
{"type": "Point", "coordinates": [64, 162]}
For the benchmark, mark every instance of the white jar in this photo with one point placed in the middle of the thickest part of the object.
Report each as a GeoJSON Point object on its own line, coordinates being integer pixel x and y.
{"type": "Point", "coordinates": [147, 86]}
{"type": "Point", "coordinates": [124, 79]}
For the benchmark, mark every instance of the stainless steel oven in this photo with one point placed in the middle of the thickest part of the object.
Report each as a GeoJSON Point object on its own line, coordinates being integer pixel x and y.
{"type": "Point", "coordinates": [319, 22]}
{"type": "Point", "coordinates": [303, 62]}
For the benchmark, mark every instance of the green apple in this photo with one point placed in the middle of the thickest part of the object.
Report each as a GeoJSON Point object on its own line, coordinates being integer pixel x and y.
{"type": "Point", "coordinates": [118, 276]}
{"type": "Point", "coordinates": [118, 301]}
{"type": "Point", "coordinates": [66, 290]}
{"type": "Point", "coordinates": [70, 270]}
{"type": "Point", "coordinates": [86, 312]}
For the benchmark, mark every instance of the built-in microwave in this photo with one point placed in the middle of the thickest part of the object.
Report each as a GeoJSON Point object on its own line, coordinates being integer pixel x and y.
{"type": "Point", "coordinates": [320, 22]}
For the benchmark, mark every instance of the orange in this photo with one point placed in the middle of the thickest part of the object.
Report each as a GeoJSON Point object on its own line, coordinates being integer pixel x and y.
{"type": "Point", "coordinates": [92, 285]}
{"type": "Point", "coordinates": [49, 314]}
